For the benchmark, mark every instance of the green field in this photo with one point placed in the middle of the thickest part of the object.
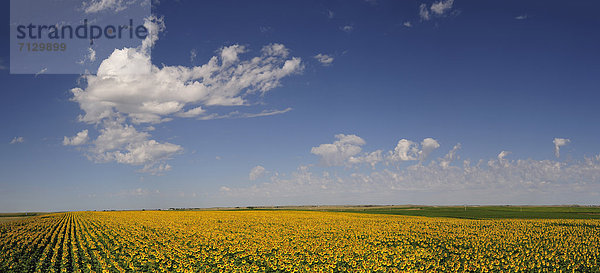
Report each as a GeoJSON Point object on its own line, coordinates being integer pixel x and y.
{"type": "Point", "coordinates": [469, 212]}
{"type": "Point", "coordinates": [7, 217]}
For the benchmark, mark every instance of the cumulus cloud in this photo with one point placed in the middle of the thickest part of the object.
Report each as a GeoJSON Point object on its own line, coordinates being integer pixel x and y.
{"type": "Point", "coordinates": [338, 152]}
{"type": "Point", "coordinates": [122, 143]}
{"type": "Point", "coordinates": [17, 140]}
{"type": "Point", "coordinates": [407, 24]}
{"type": "Point", "coordinates": [89, 57]}
{"type": "Point", "coordinates": [194, 112]}
{"type": "Point", "coordinates": [526, 181]}
{"type": "Point", "coordinates": [128, 91]}
{"type": "Point", "coordinates": [370, 158]}
{"type": "Point", "coordinates": [79, 139]}
{"type": "Point", "coordinates": [407, 150]}
{"type": "Point", "coordinates": [450, 156]}
{"type": "Point", "coordinates": [501, 157]}
{"type": "Point", "coordinates": [346, 151]}
{"type": "Point", "coordinates": [347, 28]}
{"type": "Point", "coordinates": [428, 145]}
{"type": "Point", "coordinates": [324, 59]}
{"type": "Point", "coordinates": [503, 154]}
{"type": "Point", "coordinates": [94, 6]}
{"type": "Point", "coordinates": [300, 182]}
{"type": "Point", "coordinates": [559, 142]}
{"type": "Point", "coordinates": [256, 173]}
{"type": "Point", "coordinates": [91, 54]}
{"type": "Point", "coordinates": [442, 6]}
{"type": "Point", "coordinates": [438, 9]}
{"type": "Point", "coordinates": [424, 12]}
{"type": "Point", "coordinates": [496, 180]}
{"type": "Point", "coordinates": [175, 90]}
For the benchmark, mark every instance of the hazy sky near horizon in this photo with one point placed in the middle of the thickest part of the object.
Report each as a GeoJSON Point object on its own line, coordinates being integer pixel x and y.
{"type": "Point", "coordinates": [316, 102]}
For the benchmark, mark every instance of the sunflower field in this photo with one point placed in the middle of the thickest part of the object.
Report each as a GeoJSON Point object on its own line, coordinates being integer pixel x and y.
{"type": "Point", "coordinates": [293, 241]}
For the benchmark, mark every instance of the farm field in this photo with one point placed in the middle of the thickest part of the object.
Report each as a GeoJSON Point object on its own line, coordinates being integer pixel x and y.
{"type": "Point", "coordinates": [7, 217]}
{"type": "Point", "coordinates": [477, 212]}
{"type": "Point", "coordinates": [293, 241]}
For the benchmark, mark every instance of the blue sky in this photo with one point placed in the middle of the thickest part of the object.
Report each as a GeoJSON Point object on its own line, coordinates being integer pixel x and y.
{"type": "Point", "coordinates": [317, 102]}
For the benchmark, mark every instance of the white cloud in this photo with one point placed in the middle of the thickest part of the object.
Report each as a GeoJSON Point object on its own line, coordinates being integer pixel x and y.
{"type": "Point", "coordinates": [438, 9]}
{"type": "Point", "coordinates": [324, 59]}
{"type": "Point", "coordinates": [300, 182]}
{"type": "Point", "coordinates": [167, 91]}
{"type": "Point", "coordinates": [502, 155]}
{"type": "Point", "coordinates": [157, 169]}
{"type": "Point", "coordinates": [265, 29]}
{"type": "Point", "coordinates": [370, 158]}
{"type": "Point", "coordinates": [499, 181]}
{"type": "Point", "coordinates": [559, 142]}
{"type": "Point", "coordinates": [194, 112]}
{"type": "Point", "coordinates": [442, 6]}
{"type": "Point", "coordinates": [17, 140]}
{"type": "Point", "coordinates": [405, 150]}
{"type": "Point", "coordinates": [237, 114]}
{"type": "Point", "coordinates": [424, 12]}
{"type": "Point", "coordinates": [347, 28]}
{"type": "Point", "coordinates": [256, 173]}
{"type": "Point", "coordinates": [122, 143]}
{"type": "Point", "coordinates": [129, 89]}
{"type": "Point", "coordinates": [94, 6]}
{"type": "Point", "coordinates": [522, 17]}
{"type": "Point", "coordinates": [337, 153]}
{"type": "Point", "coordinates": [450, 156]}
{"type": "Point", "coordinates": [330, 14]}
{"type": "Point", "coordinates": [407, 24]}
{"type": "Point", "coordinates": [91, 54]}
{"type": "Point", "coordinates": [89, 57]}
{"type": "Point", "coordinates": [79, 139]}
{"type": "Point", "coordinates": [347, 151]}
{"type": "Point", "coordinates": [428, 145]}
{"type": "Point", "coordinates": [154, 25]}
{"type": "Point", "coordinates": [266, 113]}
{"type": "Point", "coordinates": [134, 192]}
{"type": "Point", "coordinates": [42, 71]}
